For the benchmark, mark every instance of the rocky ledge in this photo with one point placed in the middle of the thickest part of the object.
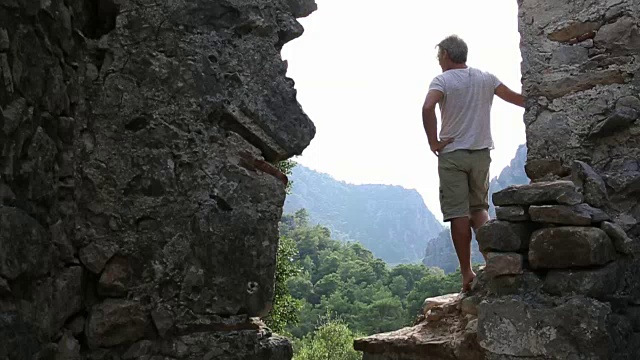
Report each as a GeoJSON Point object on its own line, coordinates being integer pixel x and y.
{"type": "Point", "coordinates": [551, 288]}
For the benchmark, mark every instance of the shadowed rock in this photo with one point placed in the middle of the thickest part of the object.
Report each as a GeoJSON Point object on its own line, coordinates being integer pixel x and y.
{"type": "Point", "coordinates": [558, 192]}
{"type": "Point", "coordinates": [503, 236]}
{"type": "Point", "coordinates": [566, 247]}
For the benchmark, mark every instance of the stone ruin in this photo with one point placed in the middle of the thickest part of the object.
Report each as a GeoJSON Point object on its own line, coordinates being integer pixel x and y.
{"type": "Point", "coordinates": [138, 205]}
{"type": "Point", "coordinates": [562, 276]}
{"type": "Point", "coordinates": [552, 288]}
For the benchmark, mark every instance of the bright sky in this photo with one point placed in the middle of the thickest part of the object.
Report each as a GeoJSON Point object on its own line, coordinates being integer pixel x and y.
{"type": "Point", "coordinates": [362, 70]}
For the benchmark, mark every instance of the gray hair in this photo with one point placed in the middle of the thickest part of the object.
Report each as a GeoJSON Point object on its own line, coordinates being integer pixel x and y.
{"type": "Point", "coordinates": [455, 47]}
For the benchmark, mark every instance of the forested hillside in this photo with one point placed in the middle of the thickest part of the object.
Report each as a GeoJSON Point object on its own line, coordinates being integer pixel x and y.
{"type": "Point", "coordinates": [392, 222]}
{"type": "Point", "coordinates": [346, 281]}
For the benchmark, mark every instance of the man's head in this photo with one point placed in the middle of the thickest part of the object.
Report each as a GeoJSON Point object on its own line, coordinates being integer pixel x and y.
{"type": "Point", "coordinates": [452, 53]}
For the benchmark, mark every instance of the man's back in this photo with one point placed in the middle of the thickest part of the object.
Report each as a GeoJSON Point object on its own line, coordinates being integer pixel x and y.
{"type": "Point", "coordinates": [466, 107]}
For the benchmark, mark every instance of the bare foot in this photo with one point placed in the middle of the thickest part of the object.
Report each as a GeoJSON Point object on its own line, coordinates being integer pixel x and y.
{"type": "Point", "coordinates": [467, 279]}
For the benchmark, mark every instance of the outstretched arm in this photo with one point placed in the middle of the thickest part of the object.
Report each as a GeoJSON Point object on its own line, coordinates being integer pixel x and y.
{"type": "Point", "coordinates": [430, 121]}
{"type": "Point", "coordinates": [509, 95]}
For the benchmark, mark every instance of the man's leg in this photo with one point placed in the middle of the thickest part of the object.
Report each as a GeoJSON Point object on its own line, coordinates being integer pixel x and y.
{"type": "Point", "coordinates": [479, 218]}
{"type": "Point", "coordinates": [461, 235]}
{"type": "Point", "coordinates": [454, 203]}
{"type": "Point", "coordinates": [479, 190]}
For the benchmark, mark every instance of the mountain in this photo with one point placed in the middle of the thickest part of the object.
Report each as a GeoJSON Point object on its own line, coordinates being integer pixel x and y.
{"type": "Point", "coordinates": [513, 174]}
{"type": "Point", "coordinates": [440, 251]}
{"type": "Point", "coordinates": [391, 221]}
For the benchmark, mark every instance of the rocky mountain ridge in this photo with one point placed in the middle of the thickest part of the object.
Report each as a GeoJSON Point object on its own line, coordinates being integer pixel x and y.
{"type": "Point", "coordinates": [391, 221]}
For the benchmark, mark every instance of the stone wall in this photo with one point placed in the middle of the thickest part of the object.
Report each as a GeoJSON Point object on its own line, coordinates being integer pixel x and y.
{"type": "Point", "coordinates": [553, 286]}
{"type": "Point", "coordinates": [581, 74]}
{"type": "Point", "coordinates": [139, 208]}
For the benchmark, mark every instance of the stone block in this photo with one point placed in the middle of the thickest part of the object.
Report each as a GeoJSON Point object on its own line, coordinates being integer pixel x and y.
{"type": "Point", "coordinates": [439, 301]}
{"type": "Point", "coordinates": [540, 193]}
{"type": "Point", "coordinates": [96, 255]}
{"type": "Point", "coordinates": [592, 185]}
{"type": "Point", "coordinates": [597, 215]}
{"type": "Point", "coordinates": [115, 322]}
{"type": "Point", "coordinates": [163, 320]}
{"type": "Point", "coordinates": [620, 120]}
{"type": "Point", "coordinates": [620, 36]}
{"type": "Point", "coordinates": [115, 278]}
{"type": "Point", "coordinates": [512, 213]}
{"type": "Point", "coordinates": [499, 264]}
{"type": "Point", "coordinates": [566, 247]}
{"type": "Point", "coordinates": [527, 282]}
{"type": "Point", "coordinates": [596, 283]}
{"type": "Point", "coordinates": [621, 241]}
{"type": "Point", "coordinates": [580, 215]}
{"type": "Point", "coordinates": [503, 236]}
{"type": "Point", "coordinates": [574, 328]}
{"type": "Point", "coordinates": [559, 214]}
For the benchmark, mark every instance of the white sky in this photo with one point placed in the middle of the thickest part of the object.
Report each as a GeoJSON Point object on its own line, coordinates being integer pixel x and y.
{"type": "Point", "coordinates": [362, 70]}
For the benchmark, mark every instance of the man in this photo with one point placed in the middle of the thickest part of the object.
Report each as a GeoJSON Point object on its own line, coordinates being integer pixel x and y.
{"type": "Point", "coordinates": [465, 96]}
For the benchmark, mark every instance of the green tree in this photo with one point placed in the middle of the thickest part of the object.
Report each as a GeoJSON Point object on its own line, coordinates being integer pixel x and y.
{"type": "Point", "coordinates": [398, 286]}
{"type": "Point", "coordinates": [331, 341]}
{"type": "Point", "coordinates": [286, 167]}
{"type": "Point", "coordinates": [300, 287]}
{"type": "Point", "coordinates": [327, 285]}
{"type": "Point", "coordinates": [286, 308]}
{"type": "Point", "coordinates": [350, 282]}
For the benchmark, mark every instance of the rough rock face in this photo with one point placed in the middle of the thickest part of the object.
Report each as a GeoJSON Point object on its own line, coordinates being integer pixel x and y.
{"type": "Point", "coordinates": [136, 145]}
{"type": "Point", "coordinates": [552, 293]}
{"type": "Point", "coordinates": [580, 74]}
{"type": "Point", "coordinates": [578, 292]}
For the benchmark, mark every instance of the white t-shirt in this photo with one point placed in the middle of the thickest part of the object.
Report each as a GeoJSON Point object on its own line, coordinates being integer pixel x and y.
{"type": "Point", "coordinates": [466, 107]}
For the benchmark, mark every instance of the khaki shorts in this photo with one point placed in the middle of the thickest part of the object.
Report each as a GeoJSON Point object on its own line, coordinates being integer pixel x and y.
{"type": "Point", "coordinates": [464, 182]}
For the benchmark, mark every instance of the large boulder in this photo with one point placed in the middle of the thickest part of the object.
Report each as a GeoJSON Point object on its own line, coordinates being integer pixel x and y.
{"type": "Point", "coordinates": [596, 283]}
{"type": "Point", "coordinates": [566, 247]}
{"type": "Point", "coordinates": [581, 214]}
{"type": "Point", "coordinates": [572, 328]}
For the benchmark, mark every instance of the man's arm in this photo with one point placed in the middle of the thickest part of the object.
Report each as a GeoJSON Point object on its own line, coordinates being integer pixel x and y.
{"type": "Point", "coordinates": [430, 121]}
{"type": "Point", "coordinates": [509, 96]}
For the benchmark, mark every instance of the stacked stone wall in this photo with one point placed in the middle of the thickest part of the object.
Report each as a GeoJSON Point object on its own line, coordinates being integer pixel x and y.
{"type": "Point", "coordinates": [138, 201]}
